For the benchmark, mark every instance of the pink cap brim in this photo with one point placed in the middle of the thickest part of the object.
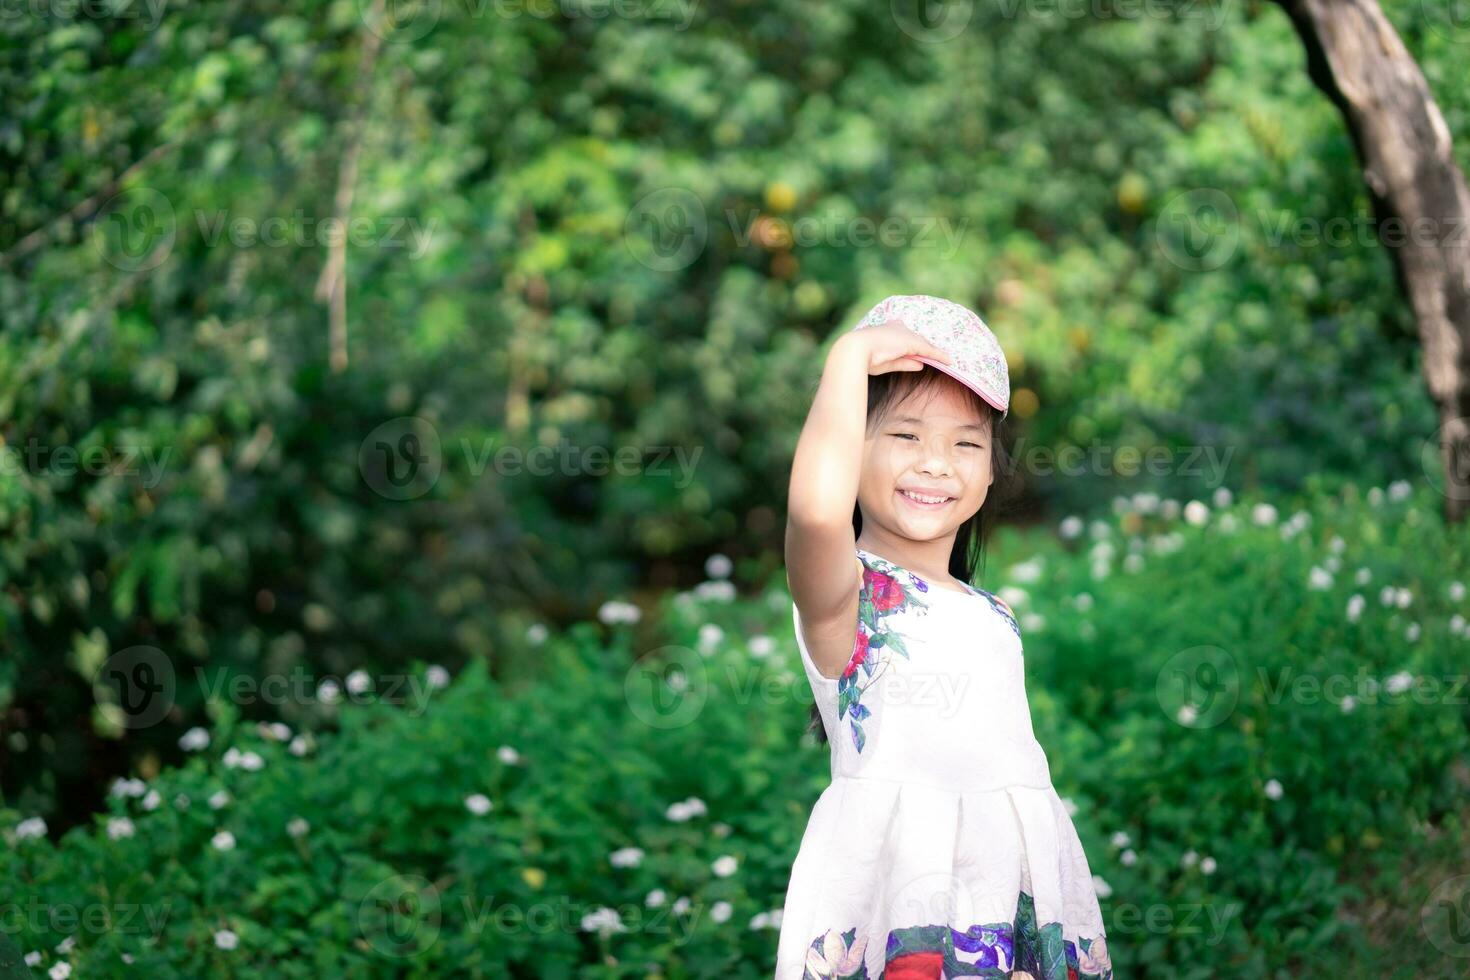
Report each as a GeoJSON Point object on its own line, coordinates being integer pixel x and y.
{"type": "Point", "coordinates": [947, 370]}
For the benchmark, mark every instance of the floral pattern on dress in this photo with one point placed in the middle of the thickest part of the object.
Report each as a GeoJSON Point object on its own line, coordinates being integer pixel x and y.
{"type": "Point", "coordinates": [1019, 950]}
{"type": "Point", "coordinates": [883, 594]}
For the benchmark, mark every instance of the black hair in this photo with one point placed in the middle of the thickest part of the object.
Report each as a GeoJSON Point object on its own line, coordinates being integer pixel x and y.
{"type": "Point", "coordinates": [889, 388]}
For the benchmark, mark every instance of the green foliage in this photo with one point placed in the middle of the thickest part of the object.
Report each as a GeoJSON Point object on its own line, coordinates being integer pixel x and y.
{"type": "Point", "coordinates": [397, 874]}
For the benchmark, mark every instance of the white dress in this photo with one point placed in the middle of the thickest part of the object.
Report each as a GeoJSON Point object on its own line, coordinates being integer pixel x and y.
{"type": "Point", "coordinates": [940, 849]}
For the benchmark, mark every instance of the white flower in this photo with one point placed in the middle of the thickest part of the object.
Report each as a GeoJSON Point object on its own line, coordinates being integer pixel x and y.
{"type": "Point", "coordinates": [1398, 683]}
{"type": "Point", "coordinates": [194, 739]}
{"type": "Point", "coordinates": [60, 971]}
{"type": "Point", "coordinates": [1128, 858]}
{"type": "Point", "coordinates": [1349, 703]}
{"type": "Point", "coordinates": [1273, 789]}
{"type": "Point", "coordinates": [1319, 579]}
{"type": "Point", "coordinates": [1411, 632]}
{"type": "Point", "coordinates": [1120, 839]}
{"type": "Point", "coordinates": [721, 830]}
{"type": "Point", "coordinates": [67, 944]}
{"type": "Point", "coordinates": [720, 911]}
{"type": "Point", "coordinates": [1100, 887]}
{"type": "Point", "coordinates": [692, 807]}
{"type": "Point", "coordinates": [358, 682]}
{"type": "Point", "coordinates": [1027, 571]}
{"type": "Point", "coordinates": [225, 939]}
{"type": "Point", "coordinates": [1189, 859]}
{"type": "Point", "coordinates": [1084, 601]}
{"type": "Point", "coordinates": [680, 906]}
{"type": "Point", "coordinates": [1223, 497]}
{"type": "Point", "coordinates": [1188, 714]}
{"type": "Point", "coordinates": [275, 731]}
{"type": "Point", "coordinates": [223, 841]}
{"type": "Point", "coordinates": [1458, 624]}
{"type": "Point", "coordinates": [1196, 513]}
{"type": "Point", "coordinates": [300, 745]}
{"type": "Point", "coordinates": [478, 803]}
{"type": "Point", "coordinates": [507, 755]}
{"type": "Point", "coordinates": [617, 611]}
{"type": "Point", "coordinates": [297, 827]}
{"type": "Point", "coordinates": [251, 762]}
{"type": "Point", "coordinates": [626, 857]}
{"type": "Point", "coordinates": [603, 920]}
{"type": "Point", "coordinates": [1070, 527]}
{"type": "Point", "coordinates": [1457, 591]}
{"type": "Point", "coordinates": [1032, 622]}
{"type": "Point", "coordinates": [1403, 597]}
{"type": "Point", "coordinates": [1336, 544]}
{"type": "Point", "coordinates": [119, 827]}
{"type": "Point", "coordinates": [1355, 608]}
{"type": "Point", "coordinates": [1133, 564]}
{"type": "Point", "coordinates": [710, 636]}
{"type": "Point", "coordinates": [33, 958]}
{"type": "Point", "coordinates": [1399, 490]}
{"type": "Point", "coordinates": [231, 757]}
{"type": "Point", "coordinates": [129, 787]}
{"type": "Point", "coordinates": [762, 646]}
{"type": "Point", "coordinates": [1363, 576]}
{"type": "Point", "coordinates": [328, 691]}
{"type": "Point", "coordinates": [1263, 514]}
{"type": "Point", "coordinates": [718, 566]}
{"type": "Point", "coordinates": [436, 677]}
{"type": "Point", "coordinates": [720, 590]}
{"type": "Point", "coordinates": [761, 920]}
{"type": "Point", "coordinates": [1228, 524]}
{"type": "Point", "coordinates": [537, 633]}
{"type": "Point", "coordinates": [656, 898]}
{"type": "Point", "coordinates": [1207, 865]}
{"type": "Point", "coordinates": [30, 827]}
{"type": "Point", "coordinates": [724, 866]}
{"type": "Point", "coordinates": [218, 799]}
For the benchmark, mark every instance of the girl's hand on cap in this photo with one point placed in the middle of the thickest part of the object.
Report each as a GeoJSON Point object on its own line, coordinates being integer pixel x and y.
{"type": "Point", "coordinates": [892, 346]}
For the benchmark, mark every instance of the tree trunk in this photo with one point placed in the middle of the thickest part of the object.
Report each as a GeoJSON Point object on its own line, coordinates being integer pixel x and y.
{"type": "Point", "coordinates": [1420, 201]}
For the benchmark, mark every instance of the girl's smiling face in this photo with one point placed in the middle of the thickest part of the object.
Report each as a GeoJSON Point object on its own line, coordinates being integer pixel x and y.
{"type": "Point", "coordinates": [926, 463]}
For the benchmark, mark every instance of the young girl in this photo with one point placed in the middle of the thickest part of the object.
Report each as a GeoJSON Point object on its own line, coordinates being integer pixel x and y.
{"type": "Point", "coordinates": [940, 849]}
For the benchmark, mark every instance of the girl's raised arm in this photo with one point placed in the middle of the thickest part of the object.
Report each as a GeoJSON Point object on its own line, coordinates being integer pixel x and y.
{"type": "Point", "coordinates": [821, 570]}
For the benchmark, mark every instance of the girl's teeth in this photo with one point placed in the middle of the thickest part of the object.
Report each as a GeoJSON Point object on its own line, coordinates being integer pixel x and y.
{"type": "Point", "coordinates": [924, 500]}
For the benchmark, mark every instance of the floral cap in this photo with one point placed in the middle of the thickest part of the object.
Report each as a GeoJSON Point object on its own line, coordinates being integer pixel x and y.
{"type": "Point", "coordinates": [979, 363]}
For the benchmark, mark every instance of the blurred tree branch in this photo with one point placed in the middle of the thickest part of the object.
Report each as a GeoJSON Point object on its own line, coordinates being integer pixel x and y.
{"type": "Point", "coordinates": [331, 285]}
{"type": "Point", "coordinates": [1355, 56]}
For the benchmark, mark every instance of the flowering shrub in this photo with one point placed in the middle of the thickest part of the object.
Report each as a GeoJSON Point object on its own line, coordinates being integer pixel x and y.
{"type": "Point", "coordinates": [635, 811]}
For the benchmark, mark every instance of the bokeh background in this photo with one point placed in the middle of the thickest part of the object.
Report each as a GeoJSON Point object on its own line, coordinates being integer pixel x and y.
{"type": "Point", "coordinates": [397, 402]}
